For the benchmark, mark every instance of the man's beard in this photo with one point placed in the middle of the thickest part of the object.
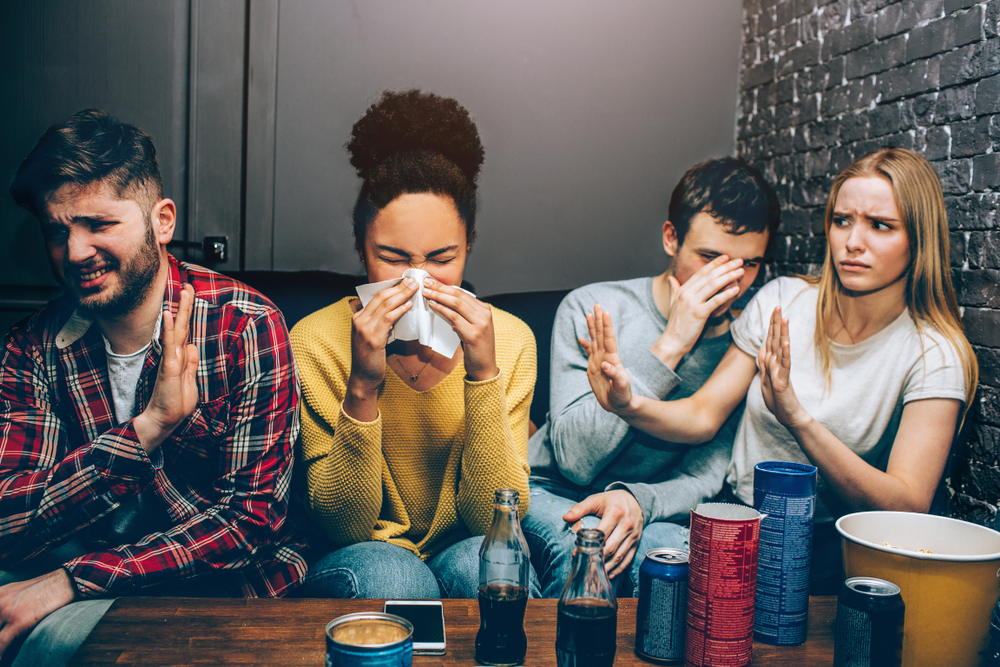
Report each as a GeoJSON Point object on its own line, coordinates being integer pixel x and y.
{"type": "Point", "coordinates": [135, 278]}
{"type": "Point", "coordinates": [716, 320]}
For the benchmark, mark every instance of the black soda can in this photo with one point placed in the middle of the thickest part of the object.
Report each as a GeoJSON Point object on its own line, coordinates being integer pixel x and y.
{"type": "Point", "coordinates": [661, 617]}
{"type": "Point", "coordinates": [869, 624]}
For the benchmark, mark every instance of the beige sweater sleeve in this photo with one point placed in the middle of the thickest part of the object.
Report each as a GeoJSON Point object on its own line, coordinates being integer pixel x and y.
{"type": "Point", "coordinates": [347, 476]}
{"type": "Point", "coordinates": [342, 457]}
{"type": "Point", "coordinates": [495, 455]}
{"type": "Point", "coordinates": [343, 475]}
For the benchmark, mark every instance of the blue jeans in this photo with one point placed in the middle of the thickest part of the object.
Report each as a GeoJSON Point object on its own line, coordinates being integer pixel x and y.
{"type": "Point", "coordinates": [58, 635]}
{"type": "Point", "coordinates": [551, 540]}
{"type": "Point", "coordinates": [379, 570]}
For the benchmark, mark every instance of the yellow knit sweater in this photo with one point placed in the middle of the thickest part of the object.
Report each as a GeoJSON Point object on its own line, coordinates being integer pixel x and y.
{"type": "Point", "coordinates": [422, 475]}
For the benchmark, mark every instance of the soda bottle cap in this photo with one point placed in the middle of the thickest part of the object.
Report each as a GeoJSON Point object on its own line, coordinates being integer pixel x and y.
{"type": "Point", "coordinates": [507, 497]}
{"type": "Point", "coordinates": [589, 537]}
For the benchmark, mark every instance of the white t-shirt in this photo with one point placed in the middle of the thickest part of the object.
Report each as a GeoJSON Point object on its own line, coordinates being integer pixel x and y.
{"type": "Point", "coordinates": [139, 515]}
{"type": "Point", "coordinates": [871, 381]}
{"type": "Point", "coordinates": [123, 372]}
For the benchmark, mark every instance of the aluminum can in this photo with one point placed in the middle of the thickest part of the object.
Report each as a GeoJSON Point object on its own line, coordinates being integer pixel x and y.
{"type": "Point", "coordinates": [369, 639]}
{"type": "Point", "coordinates": [786, 493]}
{"type": "Point", "coordinates": [661, 617]}
{"type": "Point", "coordinates": [869, 633]}
{"type": "Point", "coordinates": [722, 583]}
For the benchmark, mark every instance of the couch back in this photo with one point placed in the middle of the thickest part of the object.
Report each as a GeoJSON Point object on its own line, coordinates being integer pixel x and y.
{"type": "Point", "coordinates": [538, 311]}
{"type": "Point", "coordinates": [299, 293]}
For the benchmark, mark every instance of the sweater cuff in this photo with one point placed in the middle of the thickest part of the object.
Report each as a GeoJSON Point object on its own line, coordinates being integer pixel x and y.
{"type": "Point", "coordinates": [651, 377]}
{"type": "Point", "coordinates": [483, 383]}
{"type": "Point", "coordinates": [642, 495]}
{"type": "Point", "coordinates": [486, 393]}
{"type": "Point", "coordinates": [360, 424]}
{"type": "Point", "coordinates": [358, 439]}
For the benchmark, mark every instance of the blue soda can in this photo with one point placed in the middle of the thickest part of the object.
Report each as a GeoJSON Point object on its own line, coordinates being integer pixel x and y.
{"type": "Point", "coordinates": [786, 493]}
{"type": "Point", "coordinates": [369, 639]}
{"type": "Point", "coordinates": [661, 616]}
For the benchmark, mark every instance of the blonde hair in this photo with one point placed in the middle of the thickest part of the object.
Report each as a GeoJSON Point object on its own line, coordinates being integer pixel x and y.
{"type": "Point", "coordinates": [930, 296]}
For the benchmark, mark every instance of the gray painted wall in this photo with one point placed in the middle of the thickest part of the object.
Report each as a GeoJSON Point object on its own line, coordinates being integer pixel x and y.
{"type": "Point", "coordinates": [590, 111]}
{"type": "Point", "coordinates": [62, 56]}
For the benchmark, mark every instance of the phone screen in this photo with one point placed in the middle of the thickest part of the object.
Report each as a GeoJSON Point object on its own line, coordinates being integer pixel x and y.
{"type": "Point", "coordinates": [427, 620]}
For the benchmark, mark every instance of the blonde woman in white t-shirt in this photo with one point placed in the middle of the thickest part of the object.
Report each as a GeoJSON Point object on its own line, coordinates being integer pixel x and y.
{"type": "Point", "coordinates": [866, 376]}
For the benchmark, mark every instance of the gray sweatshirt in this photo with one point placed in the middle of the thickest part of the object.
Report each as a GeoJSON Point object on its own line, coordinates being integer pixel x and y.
{"type": "Point", "coordinates": [585, 448]}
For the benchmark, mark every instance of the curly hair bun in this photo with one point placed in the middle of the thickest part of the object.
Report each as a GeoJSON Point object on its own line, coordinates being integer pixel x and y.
{"type": "Point", "coordinates": [413, 121]}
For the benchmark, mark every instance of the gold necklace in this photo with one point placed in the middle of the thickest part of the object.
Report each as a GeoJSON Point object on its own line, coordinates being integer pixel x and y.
{"type": "Point", "coordinates": [413, 376]}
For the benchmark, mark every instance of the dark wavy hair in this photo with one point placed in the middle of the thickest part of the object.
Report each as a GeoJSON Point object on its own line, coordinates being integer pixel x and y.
{"type": "Point", "coordinates": [412, 142]}
{"type": "Point", "coordinates": [91, 146]}
{"type": "Point", "coordinates": [731, 191]}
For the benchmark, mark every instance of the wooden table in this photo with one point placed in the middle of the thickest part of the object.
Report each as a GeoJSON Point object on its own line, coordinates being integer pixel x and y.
{"type": "Point", "coordinates": [212, 631]}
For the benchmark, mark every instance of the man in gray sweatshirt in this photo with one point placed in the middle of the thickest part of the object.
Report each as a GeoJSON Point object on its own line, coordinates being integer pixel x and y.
{"type": "Point", "coordinates": [590, 467]}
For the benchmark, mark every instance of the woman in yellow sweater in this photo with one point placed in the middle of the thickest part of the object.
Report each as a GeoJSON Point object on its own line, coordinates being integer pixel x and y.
{"type": "Point", "coordinates": [403, 447]}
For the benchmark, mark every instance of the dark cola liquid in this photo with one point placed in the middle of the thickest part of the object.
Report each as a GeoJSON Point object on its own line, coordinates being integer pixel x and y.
{"type": "Point", "coordinates": [501, 639]}
{"type": "Point", "coordinates": [586, 634]}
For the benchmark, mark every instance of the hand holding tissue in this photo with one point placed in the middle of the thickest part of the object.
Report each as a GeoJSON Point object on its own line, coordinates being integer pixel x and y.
{"type": "Point", "coordinates": [420, 323]}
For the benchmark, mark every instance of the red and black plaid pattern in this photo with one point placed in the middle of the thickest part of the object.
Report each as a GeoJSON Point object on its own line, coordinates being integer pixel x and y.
{"type": "Point", "coordinates": [222, 477]}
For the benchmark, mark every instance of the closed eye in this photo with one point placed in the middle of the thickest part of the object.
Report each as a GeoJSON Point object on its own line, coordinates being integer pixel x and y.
{"type": "Point", "coordinates": [54, 233]}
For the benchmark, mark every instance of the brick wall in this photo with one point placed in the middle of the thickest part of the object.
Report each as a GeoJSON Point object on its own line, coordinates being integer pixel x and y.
{"type": "Point", "coordinates": [825, 82]}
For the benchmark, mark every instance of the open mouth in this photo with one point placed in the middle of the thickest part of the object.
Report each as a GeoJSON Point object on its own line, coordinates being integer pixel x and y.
{"type": "Point", "coordinates": [93, 278]}
{"type": "Point", "coordinates": [95, 274]}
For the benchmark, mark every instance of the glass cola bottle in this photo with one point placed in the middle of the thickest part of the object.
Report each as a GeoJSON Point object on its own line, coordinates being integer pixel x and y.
{"type": "Point", "coordinates": [587, 621]}
{"type": "Point", "coordinates": [503, 586]}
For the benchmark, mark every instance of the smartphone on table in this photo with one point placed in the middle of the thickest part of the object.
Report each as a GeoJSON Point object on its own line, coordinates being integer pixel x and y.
{"type": "Point", "coordinates": [427, 617]}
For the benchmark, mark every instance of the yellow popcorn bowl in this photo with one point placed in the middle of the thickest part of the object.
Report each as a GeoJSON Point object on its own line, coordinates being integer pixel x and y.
{"type": "Point", "coordinates": [949, 592]}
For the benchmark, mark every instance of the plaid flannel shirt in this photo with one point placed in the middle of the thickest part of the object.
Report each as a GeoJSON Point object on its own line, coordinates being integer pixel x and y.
{"type": "Point", "coordinates": [222, 477]}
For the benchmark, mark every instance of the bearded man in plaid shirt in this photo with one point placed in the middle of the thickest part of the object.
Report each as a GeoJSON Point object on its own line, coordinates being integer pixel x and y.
{"type": "Point", "coordinates": [146, 417]}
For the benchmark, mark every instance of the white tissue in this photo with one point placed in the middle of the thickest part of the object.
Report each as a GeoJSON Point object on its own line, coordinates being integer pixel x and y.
{"type": "Point", "coordinates": [420, 323]}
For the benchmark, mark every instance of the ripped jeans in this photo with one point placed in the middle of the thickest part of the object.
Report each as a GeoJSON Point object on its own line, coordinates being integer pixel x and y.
{"type": "Point", "coordinates": [551, 540]}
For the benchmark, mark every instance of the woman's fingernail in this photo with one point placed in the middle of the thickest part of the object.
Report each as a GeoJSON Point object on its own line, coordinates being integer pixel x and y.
{"type": "Point", "coordinates": [408, 281]}
{"type": "Point", "coordinates": [428, 281]}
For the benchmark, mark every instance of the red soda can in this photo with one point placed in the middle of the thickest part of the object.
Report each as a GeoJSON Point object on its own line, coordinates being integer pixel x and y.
{"type": "Point", "coordinates": [722, 581]}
